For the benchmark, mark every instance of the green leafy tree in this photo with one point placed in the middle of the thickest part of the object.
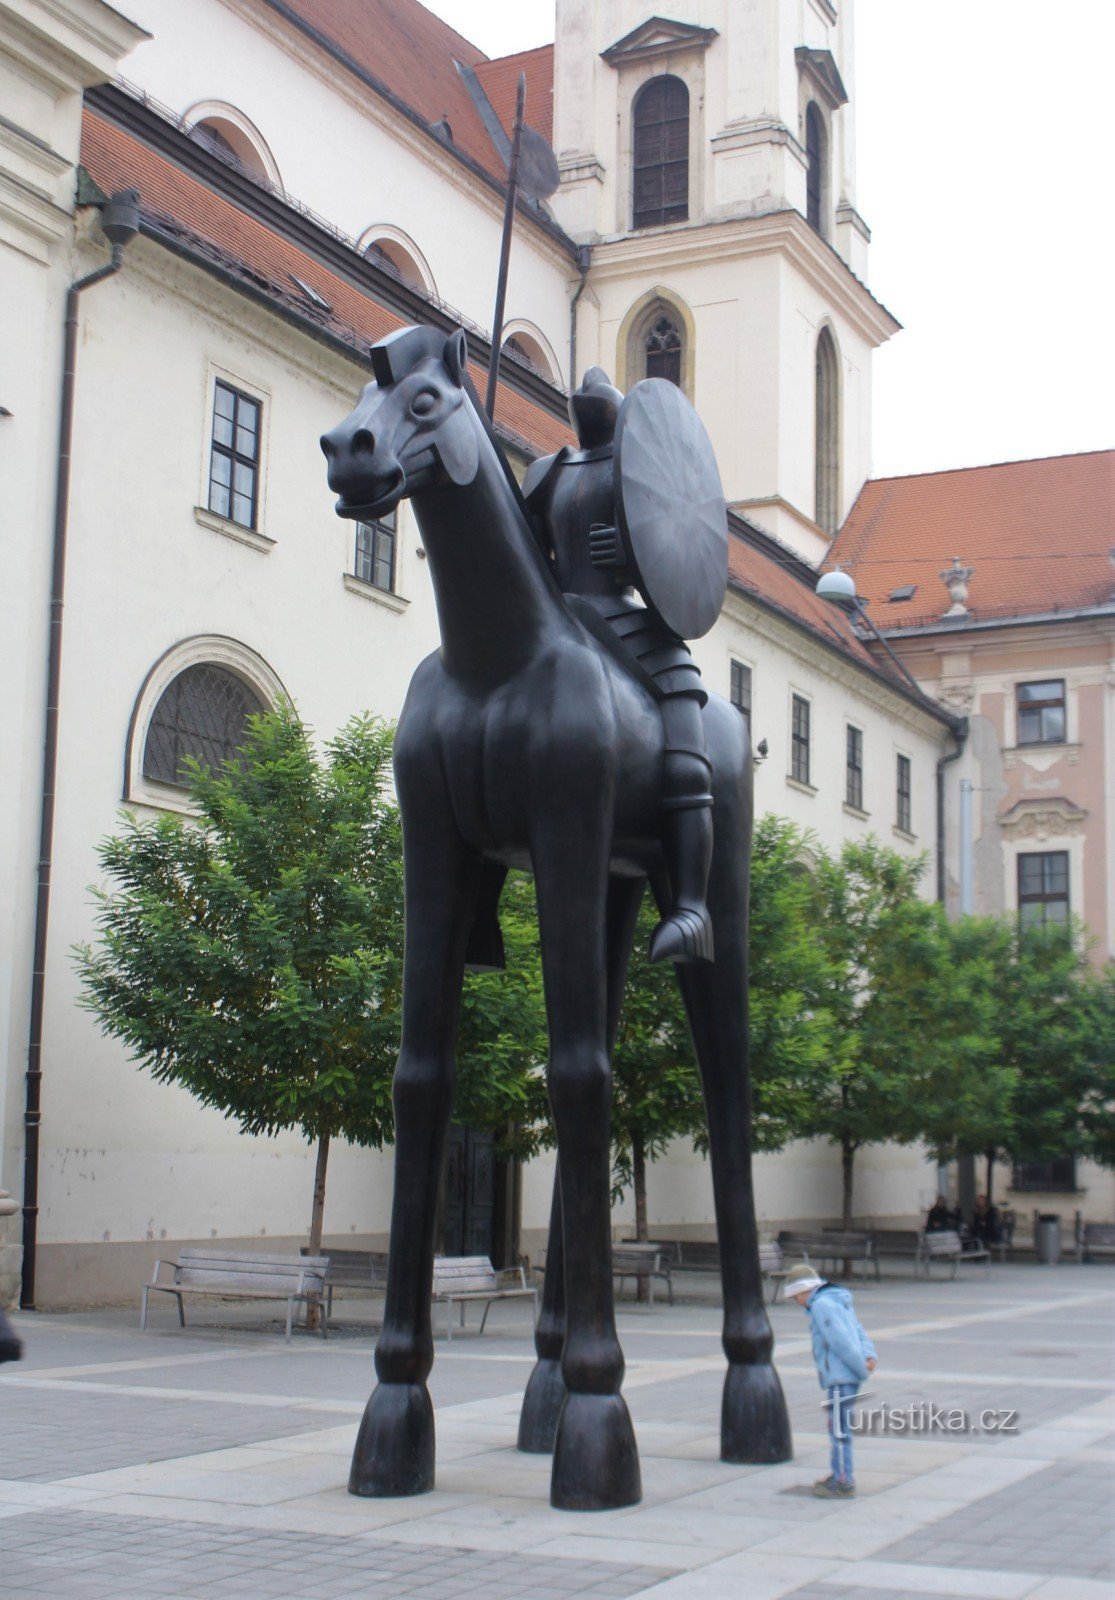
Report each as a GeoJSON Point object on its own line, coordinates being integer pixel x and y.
{"type": "Point", "coordinates": [253, 953]}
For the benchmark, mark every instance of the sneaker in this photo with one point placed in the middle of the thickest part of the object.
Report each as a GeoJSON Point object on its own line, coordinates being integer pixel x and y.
{"type": "Point", "coordinates": [831, 1488]}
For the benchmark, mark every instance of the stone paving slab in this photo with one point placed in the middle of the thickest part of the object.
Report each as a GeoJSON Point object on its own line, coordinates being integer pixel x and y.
{"type": "Point", "coordinates": [214, 1460]}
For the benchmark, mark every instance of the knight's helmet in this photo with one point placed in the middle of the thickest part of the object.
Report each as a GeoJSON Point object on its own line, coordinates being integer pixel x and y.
{"type": "Point", "coordinates": [594, 408]}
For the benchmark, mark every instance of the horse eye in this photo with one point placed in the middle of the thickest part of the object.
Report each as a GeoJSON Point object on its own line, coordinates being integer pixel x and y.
{"type": "Point", "coordinates": [423, 403]}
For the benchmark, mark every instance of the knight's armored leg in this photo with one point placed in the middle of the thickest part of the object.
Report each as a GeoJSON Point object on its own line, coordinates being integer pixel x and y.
{"type": "Point", "coordinates": [686, 934]}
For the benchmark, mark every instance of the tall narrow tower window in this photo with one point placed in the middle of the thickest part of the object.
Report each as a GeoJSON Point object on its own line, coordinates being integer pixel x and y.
{"type": "Point", "coordinates": [660, 130]}
{"type": "Point", "coordinates": [816, 151]}
{"type": "Point", "coordinates": [826, 510]}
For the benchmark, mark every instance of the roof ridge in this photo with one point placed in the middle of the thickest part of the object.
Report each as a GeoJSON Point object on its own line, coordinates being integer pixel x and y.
{"type": "Point", "coordinates": [515, 55]}
{"type": "Point", "coordinates": [990, 466]}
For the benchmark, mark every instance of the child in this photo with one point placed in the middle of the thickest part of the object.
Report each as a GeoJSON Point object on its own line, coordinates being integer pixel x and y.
{"type": "Point", "coordinates": [844, 1356]}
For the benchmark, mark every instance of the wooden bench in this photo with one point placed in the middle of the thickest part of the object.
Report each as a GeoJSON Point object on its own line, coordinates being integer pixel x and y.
{"type": "Point", "coordinates": [644, 1262]}
{"type": "Point", "coordinates": [1097, 1239]}
{"type": "Point", "coordinates": [947, 1246]}
{"type": "Point", "coordinates": [223, 1275]}
{"type": "Point", "coordinates": [703, 1255]}
{"type": "Point", "coordinates": [461, 1279]}
{"type": "Point", "coordinates": [895, 1242]}
{"type": "Point", "coordinates": [353, 1269]}
{"type": "Point", "coordinates": [822, 1248]}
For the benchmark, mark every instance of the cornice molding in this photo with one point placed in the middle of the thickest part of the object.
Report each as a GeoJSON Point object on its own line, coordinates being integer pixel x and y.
{"type": "Point", "coordinates": [819, 66]}
{"type": "Point", "coordinates": [786, 231]}
{"type": "Point", "coordinates": [658, 36]}
{"type": "Point", "coordinates": [71, 43]}
{"type": "Point", "coordinates": [1043, 819]}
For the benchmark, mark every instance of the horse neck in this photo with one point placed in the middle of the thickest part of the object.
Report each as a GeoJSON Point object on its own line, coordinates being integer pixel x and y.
{"type": "Point", "coordinates": [497, 602]}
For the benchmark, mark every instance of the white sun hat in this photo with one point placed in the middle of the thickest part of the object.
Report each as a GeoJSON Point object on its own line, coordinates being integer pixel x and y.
{"type": "Point", "coordinates": [801, 1279]}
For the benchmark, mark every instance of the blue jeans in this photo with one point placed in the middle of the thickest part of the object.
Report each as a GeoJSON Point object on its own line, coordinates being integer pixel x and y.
{"type": "Point", "coordinates": [841, 1400]}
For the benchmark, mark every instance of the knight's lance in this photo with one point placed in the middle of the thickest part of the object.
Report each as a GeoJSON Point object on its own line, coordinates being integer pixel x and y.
{"type": "Point", "coordinates": [505, 247]}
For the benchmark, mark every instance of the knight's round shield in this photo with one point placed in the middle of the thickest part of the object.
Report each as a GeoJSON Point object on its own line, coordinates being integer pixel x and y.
{"type": "Point", "coordinates": [671, 510]}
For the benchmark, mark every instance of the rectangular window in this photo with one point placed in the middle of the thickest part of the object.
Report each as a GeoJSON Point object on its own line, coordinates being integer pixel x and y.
{"type": "Point", "coordinates": [1043, 888]}
{"type": "Point", "coordinates": [1041, 712]}
{"type": "Point", "coordinates": [375, 552]}
{"type": "Point", "coordinates": [799, 740]}
{"type": "Point", "coordinates": [741, 691]}
{"type": "Point", "coordinates": [904, 796]}
{"type": "Point", "coordinates": [1058, 1175]}
{"type": "Point", "coordinates": [234, 459]}
{"type": "Point", "coordinates": [853, 786]}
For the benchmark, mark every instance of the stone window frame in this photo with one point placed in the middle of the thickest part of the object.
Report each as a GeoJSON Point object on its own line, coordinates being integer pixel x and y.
{"type": "Point", "coordinates": [683, 59]}
{"type": "Point", "coordinates": [633, 331]}
{"type": "Point", "coordinates": [215, 650]}
{"type": "Point", "coordinates": [828, 431]}
{"type": "Point", "coordinates": [256, 537]}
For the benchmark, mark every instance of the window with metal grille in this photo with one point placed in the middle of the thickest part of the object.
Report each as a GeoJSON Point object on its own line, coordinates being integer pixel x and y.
{"type": "Point", "coordinates": [1043, 888]}
{"type": "Point", "coordinates": [662, 346]}
{"type": "Point", "coordinates": [375, 552]}
{"type": "Point", "coordinates": [799, 739]}
{"type": "Point", "coordinates": [814, 171]}
{"type": "Point", "coordinates": [203, 712]}
{"type": "Point", "coordinates": [1057, 1175]}
{"type": "Point", "coordinates": [234, 460]}
{"type": "Point", "coordinates": [660, 124]}
{"type": "Point", "coordinates": [1041, 712]}
{"type": "Point", "coordinates": [904, 794]}
{"type": "Point", "coordinates": [853, 786]}
{"type": "Point", "coordinates": [741, 691]}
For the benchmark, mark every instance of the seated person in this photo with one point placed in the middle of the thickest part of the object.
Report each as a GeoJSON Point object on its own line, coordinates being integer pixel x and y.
{"type": "Point", "coordinates": [984, 1227]}
{"type": "Point", "coordinates": [939, 1219]}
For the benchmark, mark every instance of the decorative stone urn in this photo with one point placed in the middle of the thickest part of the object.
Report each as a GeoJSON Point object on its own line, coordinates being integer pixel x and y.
{"type": "Point", "coordinates": [9, 1251]}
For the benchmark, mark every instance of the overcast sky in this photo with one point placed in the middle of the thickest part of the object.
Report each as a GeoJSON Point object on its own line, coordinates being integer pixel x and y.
{"type": "Point", "coordinates": [985, 176]}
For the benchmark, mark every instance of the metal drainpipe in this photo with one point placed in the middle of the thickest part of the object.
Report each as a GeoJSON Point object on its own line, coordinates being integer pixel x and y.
{"type": "Point", "coordinates": [961, 732]}
{"type": "Point", "coordinates": [120, 222]}
{"type": "Point", "coordinates": [584, 258]}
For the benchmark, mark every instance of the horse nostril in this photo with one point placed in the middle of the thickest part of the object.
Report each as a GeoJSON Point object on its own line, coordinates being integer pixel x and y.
{"type": "Point", "coordinates": [328, 448]}
{"type": "Point", "coordinates": [363, 442]}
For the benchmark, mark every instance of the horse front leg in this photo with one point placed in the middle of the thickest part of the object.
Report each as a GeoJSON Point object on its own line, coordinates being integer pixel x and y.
{"type": "Point", "coordinates": [394, 1452]}
{"type": "Point", "coordinates": [545, 1391]}
{"type": "Point", "coordinates": [596, 1463]}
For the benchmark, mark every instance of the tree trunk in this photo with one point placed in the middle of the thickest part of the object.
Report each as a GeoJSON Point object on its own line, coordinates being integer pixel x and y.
{"type": "Point", "coordinates": [990, 1172]}
{"type": "Point", "coordinates": [847, 1162]}
{"type": "Point", "coordinates": [639, 1179]}
{"type": "Point", "coordinates": [317, 1218]}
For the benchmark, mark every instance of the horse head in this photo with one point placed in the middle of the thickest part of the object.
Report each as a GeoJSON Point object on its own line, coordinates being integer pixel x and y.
{"type": "Point", "coordinates": [412, 429]}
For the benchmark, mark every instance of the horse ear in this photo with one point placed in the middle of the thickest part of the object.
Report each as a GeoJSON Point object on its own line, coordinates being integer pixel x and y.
{"type": "Point", "coordinates": [455, 356]}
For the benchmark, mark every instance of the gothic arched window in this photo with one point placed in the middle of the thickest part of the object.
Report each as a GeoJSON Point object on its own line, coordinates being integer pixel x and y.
{"type": "Point", "coordinates": [203, 712]}
{"type": "Point", "coordinates": [660, 143]}
{"type": "Point", "coordinates": [662, 347]}
{"type": "Point", "coordinates": [816, 147]}
{"type": "Point", "coordinates": [827, 436]}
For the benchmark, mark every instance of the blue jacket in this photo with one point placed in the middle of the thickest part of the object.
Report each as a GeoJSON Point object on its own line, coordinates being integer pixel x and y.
{"type": "Point", "coordinates": [840, 1346]}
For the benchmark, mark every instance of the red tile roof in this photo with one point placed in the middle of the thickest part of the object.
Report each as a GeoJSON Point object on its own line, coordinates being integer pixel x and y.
{"type": "Point", "coordinates": [1038, 535]}
{"type": "Point", "coordinates": [237, 241]}
{"type": "Point", "coordinates": [499, 80]}
{"type": "Point", "coordinates": [775, 583]}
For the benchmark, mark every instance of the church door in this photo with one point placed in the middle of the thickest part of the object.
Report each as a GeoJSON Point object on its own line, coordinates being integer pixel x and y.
{"type": "Point", "coordinates": [470, 1194]}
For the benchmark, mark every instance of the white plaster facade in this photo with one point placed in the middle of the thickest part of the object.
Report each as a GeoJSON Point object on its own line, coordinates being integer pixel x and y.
{"type": "Point", "coordinates": [155, 580]}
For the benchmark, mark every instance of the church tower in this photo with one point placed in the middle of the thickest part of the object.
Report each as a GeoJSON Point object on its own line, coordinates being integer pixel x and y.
{"type": "Point", "coordinates": [708, 161]}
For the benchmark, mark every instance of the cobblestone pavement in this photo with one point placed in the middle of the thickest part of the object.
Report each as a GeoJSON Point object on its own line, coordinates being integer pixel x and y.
{"type": "Point", "coordinates": [213, 1461]}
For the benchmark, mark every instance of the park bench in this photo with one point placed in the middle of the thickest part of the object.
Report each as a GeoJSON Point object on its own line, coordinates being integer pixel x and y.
{"type": "Point", "coordinates": [947, 1247]}
{"type": "Point", "coordinates": [225, 1275]}
{"type": "Point", "coordinates": [353, 1269]}
{"type": "Point", "coordinates": [828, 1247]}
{"type": "Point", "coordinates": [644, 1262]}
{"type": "Point", "coordinates": [461, 1279]}
{"type": "Point", "coordinates": [1097, 1239]}
{"type": "Point", "coordinates": [891, 1243]}
{"type": "Point", "coordinates": [703, 1255]}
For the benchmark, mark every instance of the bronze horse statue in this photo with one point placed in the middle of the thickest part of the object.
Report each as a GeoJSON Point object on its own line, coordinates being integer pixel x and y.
{"type": "Point", "coordinates": [525, 743]}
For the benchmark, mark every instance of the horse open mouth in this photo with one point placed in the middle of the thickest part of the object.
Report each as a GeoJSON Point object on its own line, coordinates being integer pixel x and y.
{"type": "Point", "coordinates": [372, 500]}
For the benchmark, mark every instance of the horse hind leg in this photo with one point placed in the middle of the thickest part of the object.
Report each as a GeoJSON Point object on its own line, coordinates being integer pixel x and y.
{"type": "Point", "coordinates": [545, 1391]}
{"type": "Point", "coordinates": [754, 1422]}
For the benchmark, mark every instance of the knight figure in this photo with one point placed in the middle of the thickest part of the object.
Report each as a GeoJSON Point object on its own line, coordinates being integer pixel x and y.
{"type": "Point", "coordinates": [572, 499]}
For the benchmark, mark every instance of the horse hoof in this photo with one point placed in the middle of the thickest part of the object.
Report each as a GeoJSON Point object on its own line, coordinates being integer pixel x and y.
{"type": "Point", "coordinates": [542, 1403]}
{"type": "Point", "coordinates": [754, 1422]}
{"type": "Point", "coordinates": [394, 1452]}
{"type": "Point", "coordinates": [596, 1461]}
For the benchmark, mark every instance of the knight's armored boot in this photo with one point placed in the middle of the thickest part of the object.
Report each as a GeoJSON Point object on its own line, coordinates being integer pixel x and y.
{"type": "Point", "coordinates": [686, 933]}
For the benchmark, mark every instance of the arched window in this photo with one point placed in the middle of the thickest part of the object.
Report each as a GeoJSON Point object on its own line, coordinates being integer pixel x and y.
{"type": "Point", "coordinates": [393, 258]}
{"type": "Point", "coordinates": [522, 347]}
{"type": "Point", "coordinates": [229, 135]}
{"type": "Point", "coordinates": [827, 434]}
{"type": "Point", "coordinates": [656, 340]}
{"type": "Point", "coordinates": [203, 712]}
{"type": "Point", "coordinates": [660, 153]}
{"type": "Point", "coordinates": [816, 178]}
{"type": "Point", "coordinates": [662, 346]}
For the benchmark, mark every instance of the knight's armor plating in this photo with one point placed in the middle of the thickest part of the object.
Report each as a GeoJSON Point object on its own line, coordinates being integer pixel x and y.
{"type": "Point", "coordinates": [572, 497]}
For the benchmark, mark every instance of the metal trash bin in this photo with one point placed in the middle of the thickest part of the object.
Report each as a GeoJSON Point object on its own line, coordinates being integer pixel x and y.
{"type": "Point", "coordinates": [1047, 1240]}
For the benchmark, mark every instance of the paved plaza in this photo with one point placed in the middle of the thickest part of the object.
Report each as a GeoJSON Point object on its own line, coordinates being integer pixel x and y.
{"type": "Point", "coordinates": [212, 1462]}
